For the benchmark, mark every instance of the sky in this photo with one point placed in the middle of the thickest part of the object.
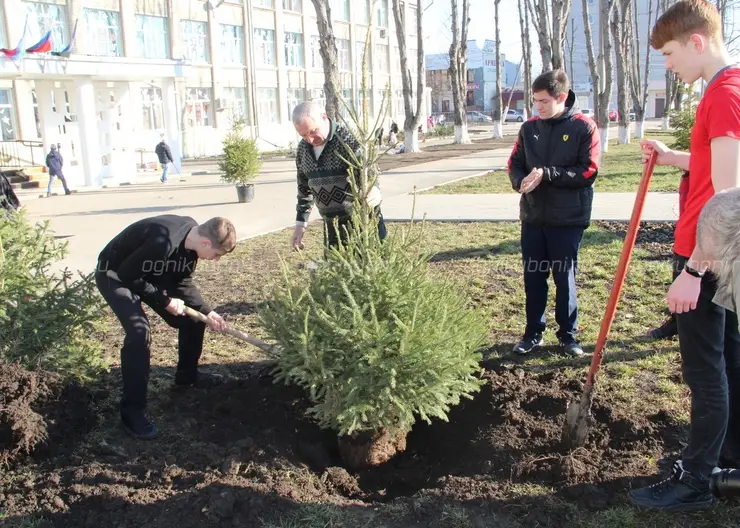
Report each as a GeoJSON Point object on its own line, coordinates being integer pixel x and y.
{"type": "Point", "coordinates": [438, 36]}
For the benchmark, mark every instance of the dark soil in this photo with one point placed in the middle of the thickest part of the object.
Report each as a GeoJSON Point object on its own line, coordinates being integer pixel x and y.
{"type": "Point", "coordinates": [243, 451]}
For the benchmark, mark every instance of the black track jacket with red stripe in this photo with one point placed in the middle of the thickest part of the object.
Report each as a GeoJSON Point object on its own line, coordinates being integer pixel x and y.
{"type": "Point", "coordinates": [568, 149]}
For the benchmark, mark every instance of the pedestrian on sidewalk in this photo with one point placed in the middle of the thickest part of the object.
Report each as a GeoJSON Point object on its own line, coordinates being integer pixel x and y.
{"type": "Point", "coordinates": [152, 262]}
{"type": "Point", "coordinates": [689, 34]}
{"type": "Point", "coordinates": [55, 162]}
{"type": "Point", "coordinates": [553, 165]}
{"type": "Point", "coordinates": [164, 154]}
{"type": "Point", "coordinates": [323, 176]}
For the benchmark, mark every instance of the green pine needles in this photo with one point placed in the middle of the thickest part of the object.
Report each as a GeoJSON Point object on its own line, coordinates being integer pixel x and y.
{"type": "Point", "coordinates": [371, 335]}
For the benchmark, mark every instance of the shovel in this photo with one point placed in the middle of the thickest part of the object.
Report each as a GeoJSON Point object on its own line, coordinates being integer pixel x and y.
{"type": "Point", "coordinates": [578, 417]}
{"type": "Point", "coordinates": [273, 350]}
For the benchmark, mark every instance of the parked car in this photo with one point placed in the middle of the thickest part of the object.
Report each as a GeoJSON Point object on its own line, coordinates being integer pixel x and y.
{"type": "Point", "coordinates": [479, 117]}
{"type": "Point", "coordinates": [514, 115]}
{"type": "Point", "coordinates": [588, 112]}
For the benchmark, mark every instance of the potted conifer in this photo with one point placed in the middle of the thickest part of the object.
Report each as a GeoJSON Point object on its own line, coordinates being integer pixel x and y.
{"type": "Point", "coordinates": [241, 162]}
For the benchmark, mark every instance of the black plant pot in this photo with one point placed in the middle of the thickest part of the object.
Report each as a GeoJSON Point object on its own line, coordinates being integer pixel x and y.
{"type": "Point", "coordinates": [245, 192]}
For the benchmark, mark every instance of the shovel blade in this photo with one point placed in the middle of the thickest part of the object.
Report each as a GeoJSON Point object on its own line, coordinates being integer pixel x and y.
{"type": "Point", "coordinates": [578, 420]}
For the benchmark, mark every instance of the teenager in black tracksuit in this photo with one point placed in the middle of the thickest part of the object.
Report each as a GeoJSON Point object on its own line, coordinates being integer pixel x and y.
{"type": "Point", "coordinates": [553, 164]}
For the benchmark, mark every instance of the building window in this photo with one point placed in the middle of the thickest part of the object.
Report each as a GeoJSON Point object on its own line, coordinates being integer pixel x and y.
{"type": "Point", "coordinates": [7, 116]}
{"type": "Point", "coordinates": [102, 33]}
{"type": "Point", "coordinates": [264, 3]}
{"type": "Point", "coordinates": [152, 109]}
{"type": "Point", "coordinates": [236, 105]}
{"type": "Point", "coordinates": [43, 18]}
{"type": "Point", "coordinates": [152, 40]}
{"type": "Point", "coordinates": [381, 13]}
{"type": "Point", "coordinates": [340, 9]}
{"type": "Point", "coordinates": [264, 46]}
{"type": "Point", "coordinates": [267, 108]}
{"type": "Point", "coordinates": [194, 40]}
{"type": "Point", "coordinates": [381, 57]}
{"type": "Point", "coordinates": [198, 107]}
{"type": "Point", "coordinates": [292, 5]}
{"type": "Point", "coordinates": [294, 50]}
{"type": "Point", "coordinates": [413, 21]}
{"type": "Point", "coordinates": [343, 51]}
{"type": "Point", "coordinates": [232, 45]}
{"type": "Point", "coordinates": [295, 97]}
{"type": "Point", "coordinates": [363, 11]}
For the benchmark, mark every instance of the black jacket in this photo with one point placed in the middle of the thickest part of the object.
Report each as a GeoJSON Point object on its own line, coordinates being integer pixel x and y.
{"type": "Point", "coordinates": [150, 258]}
{"type": "Point", "coordinates": [8, 199]}
{"type": "Point", "coordinates": [55, 162]}
{"type": "Point", "coordinates": [163, 152]}
{"type": "Point", "coordinates": [568, 149]}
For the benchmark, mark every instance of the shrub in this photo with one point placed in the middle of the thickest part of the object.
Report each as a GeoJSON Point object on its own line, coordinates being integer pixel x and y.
{"type": "Point", "coordinates": [241, 162]}
{"type": "Point", "coordinates": [46, 318]}
{"type": "Point", "coordinates": [682, 122]}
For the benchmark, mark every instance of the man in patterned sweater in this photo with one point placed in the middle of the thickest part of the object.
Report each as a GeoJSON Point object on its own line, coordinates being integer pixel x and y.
{"type": "Point", "coordinates": [322, 174]}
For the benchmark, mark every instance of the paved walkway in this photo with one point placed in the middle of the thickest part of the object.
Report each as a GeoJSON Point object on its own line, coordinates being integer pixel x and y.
{"type": "Point", "coordinates": [87, 220]}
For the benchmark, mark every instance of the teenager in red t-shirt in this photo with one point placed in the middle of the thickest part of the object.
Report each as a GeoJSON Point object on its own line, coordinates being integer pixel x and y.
{"type": "Point", "coordinates": [689, 36]}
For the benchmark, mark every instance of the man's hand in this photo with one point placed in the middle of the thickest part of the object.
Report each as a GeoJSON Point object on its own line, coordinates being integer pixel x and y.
{"type": "Point", "coordinates": [297, 239]}
{"type": "Point", "coordinates": [176, 306]}
{"type": "Point", "coordinates": [684, 293]}
{"type": "Point", "coordinates": [216, 322]}
{"type": "Point", "coordinates": [664, 153]}
{"type": "Point", "coordinates": [531, 182]}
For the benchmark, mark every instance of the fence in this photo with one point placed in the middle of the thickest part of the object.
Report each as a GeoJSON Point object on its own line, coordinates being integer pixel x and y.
{"type": "Point", "coordinates": [20, 153]}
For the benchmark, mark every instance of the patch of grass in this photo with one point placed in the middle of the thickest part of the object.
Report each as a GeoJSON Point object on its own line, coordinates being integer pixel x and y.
{"type": "Point", "coordinates": [318, 516]}
{"type": "Point", "coordinates": [620, 171]}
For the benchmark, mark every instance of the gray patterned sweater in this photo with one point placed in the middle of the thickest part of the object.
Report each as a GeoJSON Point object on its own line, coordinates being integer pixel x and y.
{"type": "Point", "coordinates": [324, 181]}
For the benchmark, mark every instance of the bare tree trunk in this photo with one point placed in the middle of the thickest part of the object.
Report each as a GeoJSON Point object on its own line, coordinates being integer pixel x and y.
{"type": "Point", "coordinates": [601, 68]}
{"type": "Point", "coordinates": [329, 57]}
{"type": "Point", "coordinates": [539, 15]}
{"type": "Point", "coordinates": [619, 25]}
{"type": "Point", "coordinates": [527, 56]}
{"type": "Point", "coordinates": [570, 45]}
{"type": "Point", "coordinates": [639, 84]}
{"type": "Point", "coordinates": [412, 107]}
{"type": "Point", "coordinates": [498, 117]}
{"type": "Point", "coordinates": [459, 70]}
{"type": "Point", "coordinates": [560, 12]}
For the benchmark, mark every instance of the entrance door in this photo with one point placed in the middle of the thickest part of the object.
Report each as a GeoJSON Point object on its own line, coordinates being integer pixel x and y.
{"type": "Point", "coordinates": [659, 107]}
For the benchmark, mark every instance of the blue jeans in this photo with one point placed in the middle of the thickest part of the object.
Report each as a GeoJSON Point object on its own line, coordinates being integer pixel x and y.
{"type": "Point", "coordinates": [546, 250]}
{"type": "Point", "coordinates": [165, 168]}
{"type": "Point", "coordinates": [51, 183]}
{"type": "Point", "coordinates": [710, 352]}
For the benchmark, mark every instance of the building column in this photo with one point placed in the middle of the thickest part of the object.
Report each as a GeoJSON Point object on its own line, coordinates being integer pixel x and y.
{"type": "Point", "coordinates": [49, 128]}
{"type": "Point", "coordinates": [75, 12]}
{"type": "Point", "coordinates": [15, 17]}
{"type": "Point", "coordinates": [171, 121]}
{"type": "Point", "coordinates": [87, 119]}
{"type": "Point", "coordinates": [128, 27]}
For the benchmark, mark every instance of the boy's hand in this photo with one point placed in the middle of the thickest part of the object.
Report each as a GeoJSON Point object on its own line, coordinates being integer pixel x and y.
{"type": "Point", "coordinates": [296, 240]}
{"type": "Point", "coordinates": [664, 153]}
{"type": "Point", "coordinates": [531, 182]}
{"type": "Point", "coordinates": [216, 322]}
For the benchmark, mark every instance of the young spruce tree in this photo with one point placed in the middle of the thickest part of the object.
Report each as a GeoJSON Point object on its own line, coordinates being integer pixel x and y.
{"type": "Point", "coordinates": [373, 337]}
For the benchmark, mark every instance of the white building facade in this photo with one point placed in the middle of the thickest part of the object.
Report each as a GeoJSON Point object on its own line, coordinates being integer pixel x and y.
{"type": "Point", "coordinates": [142, 68]}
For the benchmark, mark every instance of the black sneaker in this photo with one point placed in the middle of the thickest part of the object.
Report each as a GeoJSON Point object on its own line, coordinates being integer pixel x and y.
{"type": "Point", "coordinates": [138, 425]}
{"type": "Point", "coordinates": [571, 347]}
{"type": "Point", "coordinates": [682, 491]}
{"type": "Point", "coordinates": [667, 330]}
{"type": "Point", "coordinates": [200, 379]}
{"type": "Point", "coordinates": [528, 343]}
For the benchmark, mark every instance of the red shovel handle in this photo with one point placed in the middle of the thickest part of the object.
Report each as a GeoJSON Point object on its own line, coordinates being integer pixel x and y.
{"type": "Point", "coordinates": [624, 262]}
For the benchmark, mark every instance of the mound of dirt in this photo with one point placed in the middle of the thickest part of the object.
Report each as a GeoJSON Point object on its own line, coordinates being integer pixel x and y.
{"type": "Point", "coordinates": [39, 413]}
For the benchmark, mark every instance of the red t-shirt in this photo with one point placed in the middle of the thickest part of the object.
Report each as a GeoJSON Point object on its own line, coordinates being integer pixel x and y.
{"type": "Point", "coordinates": [717, 115]}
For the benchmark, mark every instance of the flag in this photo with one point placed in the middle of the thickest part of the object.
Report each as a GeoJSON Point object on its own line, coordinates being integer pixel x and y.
{"type": "Point", "coordinates": [17, 52]}
{"type": "Point", "coordinates": [42, 46]}
{"type": "Point", "coordinates": [67, 51]}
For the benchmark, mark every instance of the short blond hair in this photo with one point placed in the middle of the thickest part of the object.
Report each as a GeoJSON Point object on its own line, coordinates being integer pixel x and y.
{"type": "Point", "coordinates": [683, 19]}
{"type": "Point", "coordinates": [220, 232]}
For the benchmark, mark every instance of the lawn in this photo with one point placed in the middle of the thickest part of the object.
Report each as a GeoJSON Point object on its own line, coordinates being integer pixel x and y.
{"type": "Point", "coordinates": [243, 454]}
{"type": "Point", "coordinates": [620, 171]}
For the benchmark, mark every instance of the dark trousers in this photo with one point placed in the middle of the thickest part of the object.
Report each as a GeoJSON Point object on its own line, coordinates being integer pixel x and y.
{"type": "Point", "coordinates": [553, 250]}
{"type": "Point", "coordinates": [135, 352]}
{"type": "Point", "coordinates": [710, 351]}
{"type": "Point", "coordinates": [344, 225]}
